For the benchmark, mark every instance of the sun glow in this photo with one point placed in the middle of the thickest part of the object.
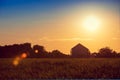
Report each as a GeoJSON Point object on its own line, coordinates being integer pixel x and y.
{"type": "Point", "coordinates": [91, 23]}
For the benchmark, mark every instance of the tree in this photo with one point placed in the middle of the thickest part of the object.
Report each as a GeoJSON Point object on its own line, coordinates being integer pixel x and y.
{"type": "Point", "coordinates": [106, 52]}
{"type": "Point", "coordinates": [39, 51]}
{"type": "Point", "coordinates": [118, 55]}
{"type": "Point", "coordinates": [57, 54]}
{"type": "Point", "coordinates": [94, 54]}
{"type": "Point", "coordinates": [11, 51]}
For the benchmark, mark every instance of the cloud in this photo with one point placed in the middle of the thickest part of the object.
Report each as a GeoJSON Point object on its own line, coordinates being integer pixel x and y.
{"type": "Point", "coordinates": [116, 38]}
{"type": "Point", "coordinates": [65, 39]}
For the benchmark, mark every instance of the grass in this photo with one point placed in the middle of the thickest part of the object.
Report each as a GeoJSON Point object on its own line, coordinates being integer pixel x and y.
{"type": "Point", "coordinates": [72, 68]}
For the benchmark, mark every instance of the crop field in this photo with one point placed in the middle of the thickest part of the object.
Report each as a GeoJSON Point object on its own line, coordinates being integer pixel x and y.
{"type": "Point", "coordinates": [71, 68]}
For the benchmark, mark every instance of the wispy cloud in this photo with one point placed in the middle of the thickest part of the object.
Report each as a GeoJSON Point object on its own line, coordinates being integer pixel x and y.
{"type": "Point", "coordinates": [116, 38]}
{"type": "Point", "coordinates": [65, 39]}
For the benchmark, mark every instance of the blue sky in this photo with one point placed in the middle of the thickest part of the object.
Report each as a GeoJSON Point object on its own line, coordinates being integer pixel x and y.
{"type": "Point", "coordinates": [16, 8]}
{"type": "Point", "coordinates": [19, 8]}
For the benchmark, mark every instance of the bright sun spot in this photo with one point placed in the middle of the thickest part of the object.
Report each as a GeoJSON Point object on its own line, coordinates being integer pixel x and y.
{"type": "Point", "coordinates": [91, 23]}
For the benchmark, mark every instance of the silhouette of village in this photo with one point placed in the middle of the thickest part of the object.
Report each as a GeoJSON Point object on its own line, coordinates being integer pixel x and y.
{"type": "Point", "coordinates": [38, 51]}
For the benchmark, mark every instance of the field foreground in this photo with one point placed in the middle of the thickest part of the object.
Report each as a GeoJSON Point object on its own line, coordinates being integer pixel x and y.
{"type": "Point", "coordinates": [71, 68]}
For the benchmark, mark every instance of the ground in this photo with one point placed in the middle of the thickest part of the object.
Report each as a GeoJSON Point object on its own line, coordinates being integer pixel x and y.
{"type": "Point", "coordinates": [71, 68]}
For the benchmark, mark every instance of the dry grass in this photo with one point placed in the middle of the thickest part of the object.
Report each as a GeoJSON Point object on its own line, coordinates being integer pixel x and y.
{"type": "Point", "coordinates": [60, 68]}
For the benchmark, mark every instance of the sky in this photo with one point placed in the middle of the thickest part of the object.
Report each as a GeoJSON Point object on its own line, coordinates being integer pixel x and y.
{"type": "Point", "coordinates": [58, 24]}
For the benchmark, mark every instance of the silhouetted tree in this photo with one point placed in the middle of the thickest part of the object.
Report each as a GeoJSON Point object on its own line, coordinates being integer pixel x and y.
{"type": "Point", "coordinates": [118, 54]}
{"type": "Point", "coordinates": [26, 47]}
{"type": "Point", "coordinates": [39, 51]}
{"type": "Point", "coordinates": [106, 53]}
{"type": "Point", "coordinates": [10, 51]}
{"type": "Point", "coordinates": [57, 54]}
{"type": "Point", "coordinates": [93, 55]}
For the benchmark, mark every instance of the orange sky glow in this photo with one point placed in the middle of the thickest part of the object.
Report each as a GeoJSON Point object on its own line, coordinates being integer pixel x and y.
{"type": "Point", "coordinates": [63, 28]}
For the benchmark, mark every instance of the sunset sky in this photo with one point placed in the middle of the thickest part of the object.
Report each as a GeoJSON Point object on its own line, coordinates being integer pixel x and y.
{"type": "Point", "coordinates": [61, 24]}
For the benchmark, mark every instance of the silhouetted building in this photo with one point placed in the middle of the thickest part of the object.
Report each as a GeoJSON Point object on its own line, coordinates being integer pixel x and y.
{"type": "Point", "coordinates": [80, 51]}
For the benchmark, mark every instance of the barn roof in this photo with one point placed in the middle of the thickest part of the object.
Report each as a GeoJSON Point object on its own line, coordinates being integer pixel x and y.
{"type": "Point", "coordinates": [79, 46]}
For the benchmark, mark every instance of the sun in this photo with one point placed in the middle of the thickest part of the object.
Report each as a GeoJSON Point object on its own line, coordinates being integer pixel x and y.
{"type": "Point", "coordinates": [91, 23]}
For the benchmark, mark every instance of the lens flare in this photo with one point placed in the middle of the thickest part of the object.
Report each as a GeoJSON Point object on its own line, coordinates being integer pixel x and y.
{"type": "Point", "coordinates": [16, 61]}
{"type": "Point", "coordinates": [36, 51]}
{"type": "Point", "coordinates": [24, 55]}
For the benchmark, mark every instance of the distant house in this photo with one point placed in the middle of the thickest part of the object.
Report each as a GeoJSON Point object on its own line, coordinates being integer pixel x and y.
{"type": "Point", "coordinates": [80, 51]}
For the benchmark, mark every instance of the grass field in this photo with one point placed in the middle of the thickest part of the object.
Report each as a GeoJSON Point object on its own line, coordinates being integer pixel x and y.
{"type": "Point", "coordinates": [60, 68]}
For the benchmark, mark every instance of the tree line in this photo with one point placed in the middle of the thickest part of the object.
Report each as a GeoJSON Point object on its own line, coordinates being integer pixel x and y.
{"type": "Point", "coordinates": [38, 51]}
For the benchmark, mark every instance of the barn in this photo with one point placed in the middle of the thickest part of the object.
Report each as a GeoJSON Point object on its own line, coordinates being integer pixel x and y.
{"type": "Point", "coordinates": [80, 51]}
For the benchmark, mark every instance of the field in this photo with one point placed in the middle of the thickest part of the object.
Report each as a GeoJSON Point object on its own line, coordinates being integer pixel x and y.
{"type": "Point", "coordinates": [71, 68]}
